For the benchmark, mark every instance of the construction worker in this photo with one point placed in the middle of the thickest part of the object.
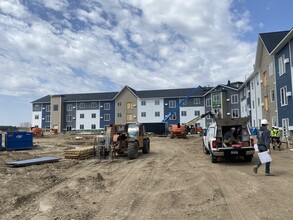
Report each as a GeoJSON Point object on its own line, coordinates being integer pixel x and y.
{"type": "Point", "coordinates": [229, 138]}
{"type": "Point", "coordinates": [275, 137]}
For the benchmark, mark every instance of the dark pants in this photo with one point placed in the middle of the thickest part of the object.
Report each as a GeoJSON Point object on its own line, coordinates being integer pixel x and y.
{"type": "Point", "coordinates": [262, 148]}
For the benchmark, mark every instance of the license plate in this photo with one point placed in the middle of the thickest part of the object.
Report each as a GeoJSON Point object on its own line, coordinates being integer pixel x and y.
{"type": "Point", "coordinates": [234, 152]}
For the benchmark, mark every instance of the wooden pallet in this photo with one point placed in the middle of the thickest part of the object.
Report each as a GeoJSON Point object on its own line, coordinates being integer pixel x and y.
{"type": "Point", "coordinates": [79, 153]}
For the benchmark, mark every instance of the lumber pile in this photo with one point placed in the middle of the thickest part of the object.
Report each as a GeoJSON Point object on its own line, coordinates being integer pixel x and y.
{"type": "Point", "coordinates": [79, 153]}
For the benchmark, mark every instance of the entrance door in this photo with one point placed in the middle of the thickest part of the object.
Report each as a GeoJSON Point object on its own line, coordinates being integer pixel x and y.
{"type": "Point", "coordinates": [285, 126]}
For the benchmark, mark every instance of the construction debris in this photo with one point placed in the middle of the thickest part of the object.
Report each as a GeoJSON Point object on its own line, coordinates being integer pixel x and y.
{"type": "Point", "coordinates": [79, 153]}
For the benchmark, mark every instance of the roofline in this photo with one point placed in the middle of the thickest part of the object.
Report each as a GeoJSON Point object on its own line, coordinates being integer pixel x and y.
{"type": "Point", "coordinates": [126, 86]}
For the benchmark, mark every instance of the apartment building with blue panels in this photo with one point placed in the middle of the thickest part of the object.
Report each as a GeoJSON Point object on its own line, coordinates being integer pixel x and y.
{"type": "Point", "coordinates": [283, 59]}
{"type": "Point", "coordinates": [97, 110]}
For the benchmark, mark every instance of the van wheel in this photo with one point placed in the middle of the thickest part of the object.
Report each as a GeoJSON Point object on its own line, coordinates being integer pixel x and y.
{"type": "Point", "coordinates": [214, 159]}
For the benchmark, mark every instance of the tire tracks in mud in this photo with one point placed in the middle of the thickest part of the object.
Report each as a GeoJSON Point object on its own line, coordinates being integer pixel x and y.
{"type": "Point", "coordinates": [239, 209]}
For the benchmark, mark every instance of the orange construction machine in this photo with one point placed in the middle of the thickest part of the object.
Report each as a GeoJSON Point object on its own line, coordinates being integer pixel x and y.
{"type": "Point", "coordinates": [178, 131]}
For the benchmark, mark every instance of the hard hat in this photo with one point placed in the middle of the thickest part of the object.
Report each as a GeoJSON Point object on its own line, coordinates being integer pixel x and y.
{"type": "Point", "coordinates": [233, 128]}
{"type": "Point", "coordinates": [264, 122]}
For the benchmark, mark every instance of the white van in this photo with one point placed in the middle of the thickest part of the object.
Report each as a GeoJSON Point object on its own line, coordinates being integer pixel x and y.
{"type": "Point", "coordinates": [213, 142]}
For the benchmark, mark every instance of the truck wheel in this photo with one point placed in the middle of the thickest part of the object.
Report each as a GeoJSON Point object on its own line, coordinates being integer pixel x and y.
{"type": "Point", "coordinates": [205, 150]}
{"type": "Point", "coordinates": [213, 158]}
{"type": "Point", "coordinates": [248, 158]}
{"type": "Point", "coordinates": [132, 150]}
{"type": "Point", "coordinates": [146, 146]}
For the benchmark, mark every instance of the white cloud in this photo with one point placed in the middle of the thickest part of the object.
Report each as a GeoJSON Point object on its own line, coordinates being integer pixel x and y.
{"type": "Point", "coordinates": [173, 44]}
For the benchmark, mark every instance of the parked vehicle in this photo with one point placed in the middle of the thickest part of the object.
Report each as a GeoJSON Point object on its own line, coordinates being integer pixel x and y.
{"type": "Point", "coordinates": [123, 139]}
{"type": "Point", "coordinates": [213, 142]}
{"type": "Point", "coordinates": [178, 131]}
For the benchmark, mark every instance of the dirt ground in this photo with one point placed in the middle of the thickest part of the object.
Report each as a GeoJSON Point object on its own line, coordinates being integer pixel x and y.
{"type": "Point", "coordinates": [175, 181]}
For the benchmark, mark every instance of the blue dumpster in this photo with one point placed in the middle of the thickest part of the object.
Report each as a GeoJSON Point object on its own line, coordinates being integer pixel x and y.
{"type": "Point", "coordinates": [18, 140]}
{"type": "Point", "coordinates": [0, 142]}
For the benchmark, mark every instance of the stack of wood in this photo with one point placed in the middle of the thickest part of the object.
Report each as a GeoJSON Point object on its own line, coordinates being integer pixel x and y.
{"type": "Point", "coordinates": [79, 153]}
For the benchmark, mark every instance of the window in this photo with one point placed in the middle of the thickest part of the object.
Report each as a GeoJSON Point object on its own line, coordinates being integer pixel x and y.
{"type": "Point", "coordinates": [119, 115]}
{"type": "Point", "coordinates": [235, 113]}
{"type": "Point", "coordinates": [37, 107]}
{"type": "Point", "coordinates": [47, 118]}
{"type": "Point", "coordinates": [81, 126]}
{"type": "Point", "coordinates": [271, 69]}
{"type": "Point", "coordinates": [69, 107]}
{"type": "Point", "coordinates": [143, 114]}
{"type": "Point", "coordinates": [107, 106]}
{"type": "Point", "coordinates": [196, 113]}
{"type": "Point", "coordinates": [55, 108]}
{"type": "Point", "coordinates": [119, 103]}
{"type": "Point", "coordinates": [157, 114]}
{"type": "Point", "coordinates": [129, 105]}
{"type": "Point", "coordinates": [157, 102]}
{"type": "Point", "coordinates": [93, 126]}
{"type": "Point", "coordinates": [173, 117]}
{"type": "Point", "coordinates": [81, 116]}
{"type": "Point", "coordinates": [94, 115]}
{"type": "Point", "coordinates": [183, 113]}
{"type": "Point", "coordinates": [143, 102]}
{"type": "Point", "coordinates": [106, 117]}
{"type": "Point", "coordinates": [274, 121]}
{"type": "Point", "coordinates": [253, 104]}
{"type": "Point", "coordinates": [234, 99]}
{"type": "Point", "coordinates": [272, 95]}
{"type": "Point", "coordinates": [36, 117]}
{"type": "Point", "coordinates": [94, 105]}
{"type": "Point", "coordinates": [282, 67]}
{"type": "Point", "coordinates": [172, 104]}
{"type": "Point", "coordinates": [129, 117]}
{"type": "Point", "coordinates": [251, 85]}
{"type": "Point", "coordinates": [208, 102]}
{"type": "Point", "coordinates": [258, 101]}
{"type": "Point", "coordinates": [196, 101]}
{"type": "Point", "coordinates": [283, 96]}
{"type": "Point", "coordinates": [81, 105]}
{"type": "Point", "coordinates": [216, 98]}
{"type": "Point", "coordinates": [48, 108]}
{"type": "Point", "coordinates": [68, 118]}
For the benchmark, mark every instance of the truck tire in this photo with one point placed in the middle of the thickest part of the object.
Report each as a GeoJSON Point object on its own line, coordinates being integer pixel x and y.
{"type": "Point", "coordinates": [214, 159]}
{"type": "Point", "coordinates": [205, 150]}
{"type": "Point", "coordinates": [146, 146]}
{"type": "Point", "coordinates": [132, 150]}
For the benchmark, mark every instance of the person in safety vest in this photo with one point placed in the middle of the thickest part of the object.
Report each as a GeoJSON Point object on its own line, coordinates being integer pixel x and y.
{"type": "Point", "coordinates": [275, 137]}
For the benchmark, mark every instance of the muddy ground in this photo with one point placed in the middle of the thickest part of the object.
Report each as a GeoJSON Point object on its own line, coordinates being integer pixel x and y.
{"type": "Point", "coordinates": [175, 181]}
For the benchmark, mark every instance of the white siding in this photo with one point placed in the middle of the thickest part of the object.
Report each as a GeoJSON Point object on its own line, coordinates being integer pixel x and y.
{"type": "Point", "coordinates": [37, 122]}
{"type": "Point", "coordinates": [255, 92]}
{"type": "Point", "coordinates": [244, 108]}
{"type": "Point", "coordinates": [190, 115]}
{"type": "Point", "coordinates": [87, 121]}
{"type": "Point", "coordinates": [150, 108]}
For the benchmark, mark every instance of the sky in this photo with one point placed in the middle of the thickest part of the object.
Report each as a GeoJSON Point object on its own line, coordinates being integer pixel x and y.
{"type": "Point", "coordinates": [72, 46]}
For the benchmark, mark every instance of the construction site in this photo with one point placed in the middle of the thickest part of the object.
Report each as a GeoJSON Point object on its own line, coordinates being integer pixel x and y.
{"type": "Point", "coordinates": [174, 179]}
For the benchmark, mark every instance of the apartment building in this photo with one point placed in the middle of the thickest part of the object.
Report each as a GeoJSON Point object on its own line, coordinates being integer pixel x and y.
{"type": "Point", "coordinates": [93, 111]}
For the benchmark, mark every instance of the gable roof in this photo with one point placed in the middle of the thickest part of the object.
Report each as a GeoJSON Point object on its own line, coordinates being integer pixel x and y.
{"type": "Point", "coordinates": [284, 41]}
{"type": "Point", "coordinates": [272, 39]}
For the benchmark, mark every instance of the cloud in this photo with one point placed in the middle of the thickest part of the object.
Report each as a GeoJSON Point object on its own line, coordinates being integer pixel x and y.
{"type": "Point", "coordinates": [62, 47]}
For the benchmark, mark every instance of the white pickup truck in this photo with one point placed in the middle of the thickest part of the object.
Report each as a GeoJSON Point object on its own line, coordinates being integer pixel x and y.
{"type": "Point", "coordinates": [213, 142]}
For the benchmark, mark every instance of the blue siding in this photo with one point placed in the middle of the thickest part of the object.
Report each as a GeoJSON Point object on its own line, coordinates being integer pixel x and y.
{"type": "Point", "coordinates": [44, 114]}
{"type": "Point", "coordinates": [281, 81]}
{"type": "Point", "coordinates": [167, 110]}
{"type": "Point", "coordinates": [111, 112]}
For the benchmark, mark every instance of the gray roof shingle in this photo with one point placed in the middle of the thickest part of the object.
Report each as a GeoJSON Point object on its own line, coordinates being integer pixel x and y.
{"type": "Point", "coordinates": [272, 39]}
